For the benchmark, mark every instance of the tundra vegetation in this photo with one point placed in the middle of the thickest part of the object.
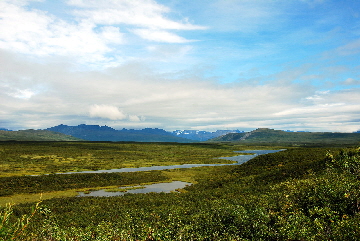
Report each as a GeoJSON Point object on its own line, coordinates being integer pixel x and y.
{"type": "Point", "coordinates": [303, 193]}
{"type": "Point", "coordinates": [35, 135]}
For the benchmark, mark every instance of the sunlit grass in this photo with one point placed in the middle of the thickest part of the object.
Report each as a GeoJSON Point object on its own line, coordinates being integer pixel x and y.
{"type": "Point", "coordinates": [190, 175]}
{"type": "Point", "coordinates": [18, 159]}
{"type": "Point", "coordinates": [34, 197]}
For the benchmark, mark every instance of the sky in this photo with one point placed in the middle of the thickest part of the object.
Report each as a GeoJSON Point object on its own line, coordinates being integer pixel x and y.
{"type": "Point", "coordinates": [181, 64]}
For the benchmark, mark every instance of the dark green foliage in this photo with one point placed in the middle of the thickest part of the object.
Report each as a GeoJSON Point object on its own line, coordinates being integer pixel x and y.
{"type": "Point", "coordinates": [321, 205]}
{"type": "Point", "coordinates": [347, 161]}
{"type": "Point", "coordinates": [54, 182]}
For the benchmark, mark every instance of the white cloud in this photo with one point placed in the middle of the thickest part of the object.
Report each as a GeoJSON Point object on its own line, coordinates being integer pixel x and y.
{"type": "Point", "coordinates": [136, 118]}
{"type": "Point", "coordinates": [160, 36]}
{"type": "Point", "coordinates": [144, 13]}
{"type": "Point", "coordinates": [175, 85]}
{"type": "Point", "coordinates": [38, 33]}
{"type": "Point", "coordinates": [22, 94]}
{"type": "Point", "coordinates": [106, 112]}
{"type": "Point", "coordinates": [112, 34]}
{"type": "Point", "coordinates": [93, 36]}
{"type": "Point", "coordinates": [351, 81]}
{"type": "Point", "coordinates": [146, 16]}
{"type": "Point", "coordinates": [186, 103]}
{"type": "Point", "coordinates": [306, 111]}
{"type": "Point", "coordinates": [112, 113]}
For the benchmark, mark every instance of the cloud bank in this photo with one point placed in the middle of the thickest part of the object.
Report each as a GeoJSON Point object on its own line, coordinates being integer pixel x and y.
{"type": "Point", "coordinates": [139, 63]}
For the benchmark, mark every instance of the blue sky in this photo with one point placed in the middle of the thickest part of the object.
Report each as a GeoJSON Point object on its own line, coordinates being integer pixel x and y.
{"type": "Point", "coordinates": [190, 64]}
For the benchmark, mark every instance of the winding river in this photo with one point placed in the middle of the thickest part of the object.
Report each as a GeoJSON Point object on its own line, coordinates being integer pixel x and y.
{"type": "Point", "coordinates": [167, 187]}
{"type": "Point", "coordinates": [240, 159]}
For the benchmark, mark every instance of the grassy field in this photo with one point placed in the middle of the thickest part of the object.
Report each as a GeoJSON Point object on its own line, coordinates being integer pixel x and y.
{"type": "Point", "coordinates": [35, 158]}
{"type": "Point", "coordinates": [35, 135]}
{"type": "Point", "coordinates": [20, 161]}
{"type": "Point", "coordinates": [298, 194]}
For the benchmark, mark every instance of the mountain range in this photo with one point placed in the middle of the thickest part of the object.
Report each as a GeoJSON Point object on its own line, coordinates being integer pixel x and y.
{"type": "Point", "coordinates": [106, 133]}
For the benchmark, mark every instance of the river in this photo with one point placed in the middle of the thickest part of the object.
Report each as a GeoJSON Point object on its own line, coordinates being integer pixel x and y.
{"type": "Point", "coordinates": [166, 187]}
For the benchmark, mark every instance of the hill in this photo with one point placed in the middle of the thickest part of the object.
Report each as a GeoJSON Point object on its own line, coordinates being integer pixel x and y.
{"type": "Point", "coordinates": [35, 135]}
{"type": "Point", "coordinates": [265, 135]}
{"type": "Point", "coordinates": [105, 133]}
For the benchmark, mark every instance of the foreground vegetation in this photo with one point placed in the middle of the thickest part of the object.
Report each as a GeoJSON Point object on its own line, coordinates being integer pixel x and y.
{"type": "Point", "coordinates": [298, 194]}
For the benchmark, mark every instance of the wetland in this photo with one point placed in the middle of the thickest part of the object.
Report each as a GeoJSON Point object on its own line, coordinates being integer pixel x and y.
{"type": "Point", "coordinates": [301, 193]}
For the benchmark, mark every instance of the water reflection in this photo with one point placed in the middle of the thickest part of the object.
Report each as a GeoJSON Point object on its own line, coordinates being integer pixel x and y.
{"type": "Point", "coordinates": [157, 187]}
{"type": "Point", "coordinates": [166, 187]}
{"type": "Point", "coordinates": [238, 160]}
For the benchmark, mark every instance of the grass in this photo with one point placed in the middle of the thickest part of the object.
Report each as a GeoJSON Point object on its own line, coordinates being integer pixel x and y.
{"type": "Point", "coordinates": [298, 194]}
{"type": "Point", "coordinates": [35, 197]}
{"type": "Point", "coordinates": [35, 158]}
{"type": "Point", "coordinates": [19, 160]}
{"type": "Point", "coordinates": [22, 195]}
{"type": "Point", "coordinates": [35, 135]}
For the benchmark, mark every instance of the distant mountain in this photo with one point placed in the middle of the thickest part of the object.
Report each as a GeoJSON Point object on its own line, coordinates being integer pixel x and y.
{"type": "Point", "coordinates": [202, 135]}
{"type": "Point", "coordinates": [265, 135]}
{"type": "Point", "coordinates": [3, 129]}
{"type": "Point", "coordinates": [34, 135]}
{"type": "Point", "coordinates": [105, 133]}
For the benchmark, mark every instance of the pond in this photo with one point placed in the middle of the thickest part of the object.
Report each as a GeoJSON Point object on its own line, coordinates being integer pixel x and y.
{"type": "Point", "coordinates": [157, 187]}
{"type": "Point", "coordinates": [165, 187]}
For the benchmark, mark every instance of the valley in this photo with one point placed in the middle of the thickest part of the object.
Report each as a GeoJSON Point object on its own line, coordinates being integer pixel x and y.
{"type": "Point", "coordinates": [257, 200]}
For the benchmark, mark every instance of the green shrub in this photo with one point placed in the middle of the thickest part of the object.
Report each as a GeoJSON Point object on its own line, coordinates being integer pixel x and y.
{"type": "Point", "coordinates": [12, 228]}
{"type": "Point", "coordinates": [347, 161]}
{"type": "Point", "coordinates": [322, 205]}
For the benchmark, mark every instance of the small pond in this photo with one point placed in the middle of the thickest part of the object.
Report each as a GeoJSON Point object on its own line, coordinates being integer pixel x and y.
{"type": "Point", "coordinates": [157, 187]}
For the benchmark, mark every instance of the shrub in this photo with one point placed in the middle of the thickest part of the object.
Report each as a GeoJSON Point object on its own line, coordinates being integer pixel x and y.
{"type": "Point", "coordinates": [12, 228]}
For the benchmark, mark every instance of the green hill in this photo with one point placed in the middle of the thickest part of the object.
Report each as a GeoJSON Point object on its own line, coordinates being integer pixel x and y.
{"type": "Point", "coordinates": [265, 135]}
{"type": "Point", "coordinates": [35, 135]}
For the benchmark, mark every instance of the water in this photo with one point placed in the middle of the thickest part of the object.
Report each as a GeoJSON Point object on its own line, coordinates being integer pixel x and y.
{"type": "Point", "coordinates": [238, 160]}
{"type": "Point", "coordinates": [167, 187]}
{"type": "Point", "coordinates": [157, 187]}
